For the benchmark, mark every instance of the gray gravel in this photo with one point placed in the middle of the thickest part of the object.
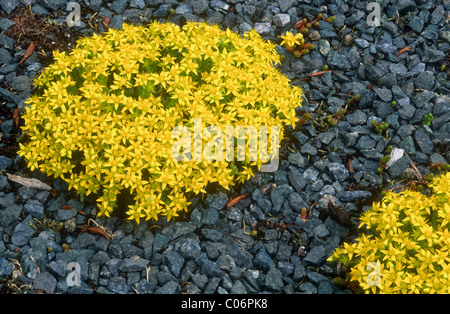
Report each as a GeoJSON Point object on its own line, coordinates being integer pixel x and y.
{"type": "Point", "coordinates": [213, 248]}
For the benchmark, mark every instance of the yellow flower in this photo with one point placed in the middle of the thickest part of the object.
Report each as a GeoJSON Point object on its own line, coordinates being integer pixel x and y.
{"type": "Point", "coordinates": [290, 39]}
{"type": "Point", "coordinates": [427, 234]}
{"type": "Point", "coordinates": [135, 213]}
{"type": "Point", "coordinates": [444, 213]}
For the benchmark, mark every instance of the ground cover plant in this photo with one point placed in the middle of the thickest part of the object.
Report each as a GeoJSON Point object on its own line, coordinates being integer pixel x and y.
{"type": "Point", "coordinates": [404, 245]}
{"type": "Point", "coordinates": [102, 117]}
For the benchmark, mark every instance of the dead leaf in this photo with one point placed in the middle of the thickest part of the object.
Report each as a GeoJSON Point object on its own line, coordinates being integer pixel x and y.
{"type": "Point", "coordinates": [29, 182]}
{"type": "Point", "coordinates": [67, 207]}
{"type": "Point", "coordinates": [96, 230]}
{"type": "Point", "coordinates": [28, 53]}
{"type": "Point", "coordinates": [403, 50]}
{"type": "Point", "coordinates": [319, 73]}
{"type": "Point", "coordinates": [236, 200]}
{"type": "Point", "coordinates": [350, 166]}
{"type": "Point", "coordinates": [16, 117]}
{"type": "Point", "coordinates": [106, 21]}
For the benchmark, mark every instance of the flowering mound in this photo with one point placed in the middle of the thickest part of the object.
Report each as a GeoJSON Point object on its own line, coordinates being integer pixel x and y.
{"type": "Point", "coordinates": [407, 248]}
{"type": "Point", "coordinates": [103, 117]}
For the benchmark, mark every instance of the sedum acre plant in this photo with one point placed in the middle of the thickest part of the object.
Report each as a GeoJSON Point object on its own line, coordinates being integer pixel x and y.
{"type": "Point", "coordinates": [407, 248]}
{"type": "Point", "coordinates": [102, 116]}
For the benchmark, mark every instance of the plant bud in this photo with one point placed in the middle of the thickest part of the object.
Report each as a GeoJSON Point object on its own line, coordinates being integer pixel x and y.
{"type": "Point", "coordinates": [296, 54]}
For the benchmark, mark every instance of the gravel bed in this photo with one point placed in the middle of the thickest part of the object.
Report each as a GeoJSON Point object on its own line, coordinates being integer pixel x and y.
{"type": "Point", "coordinates": [213, 250]}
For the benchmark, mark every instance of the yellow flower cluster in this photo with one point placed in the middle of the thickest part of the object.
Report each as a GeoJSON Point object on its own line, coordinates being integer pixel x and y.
{"type": "Point", "coordinates": [409, 241]}
{"type": "Point", "coordinates": [290, 40]}
{"type": "Point", "coordinates": [102, 117]}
